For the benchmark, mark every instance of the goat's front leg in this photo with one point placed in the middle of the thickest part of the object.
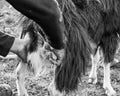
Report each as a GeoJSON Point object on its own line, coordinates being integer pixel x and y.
{"type": "Point", "coordinates": [107, 82]}
{"type": "Point", "coordinates": [93, 73]}
{"type": "Point", "coordinates": [21, 71]}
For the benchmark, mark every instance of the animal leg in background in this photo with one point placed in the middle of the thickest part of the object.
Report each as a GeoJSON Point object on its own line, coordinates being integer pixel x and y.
{"type": "Point", "coordinates": [107, 82]}
{"type": "Point", "coordinates": [93, 73]}
{"type": "Point", "coordinates": [21, 70]}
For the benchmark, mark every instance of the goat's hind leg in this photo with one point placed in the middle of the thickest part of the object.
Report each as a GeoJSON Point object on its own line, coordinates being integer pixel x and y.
{"type": "Point", "coordinates": [93, 73]}
{"type": "Point", "coordinates": [107, 83]}
{"type": "Point", "coordinates": [21, 72]}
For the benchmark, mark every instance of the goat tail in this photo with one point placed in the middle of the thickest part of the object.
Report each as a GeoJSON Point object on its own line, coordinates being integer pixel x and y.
{"type": "Point", "coordinates": [67, 75]}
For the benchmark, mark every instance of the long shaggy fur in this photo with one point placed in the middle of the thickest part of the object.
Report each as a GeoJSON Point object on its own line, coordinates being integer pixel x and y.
{"type": "Point", "coordinates": [102, 20]}
{"type": "Point", "coordinates": [77, 50]}
{"type": "Point", "coordinates": [36, 53]}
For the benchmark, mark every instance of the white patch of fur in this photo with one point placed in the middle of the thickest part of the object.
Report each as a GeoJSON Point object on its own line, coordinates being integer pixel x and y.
{"type": "Point", "coordinates": [38, 61]}
{"type": "Point", "coordinates": [93, 73]}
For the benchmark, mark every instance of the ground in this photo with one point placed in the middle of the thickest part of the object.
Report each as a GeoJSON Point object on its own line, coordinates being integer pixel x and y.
{"type": "Point", "coordinates": [38, 86]}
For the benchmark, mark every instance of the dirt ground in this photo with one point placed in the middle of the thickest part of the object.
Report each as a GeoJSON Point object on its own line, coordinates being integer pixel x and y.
{"type": "Point", "coordinates": [38, 86]}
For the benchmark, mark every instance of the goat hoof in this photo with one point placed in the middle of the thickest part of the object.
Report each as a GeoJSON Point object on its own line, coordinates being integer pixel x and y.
{"type": "Point", "coordinates": [92, 81]}
{"type": "Point", "coordinates": [110, 91]}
